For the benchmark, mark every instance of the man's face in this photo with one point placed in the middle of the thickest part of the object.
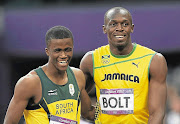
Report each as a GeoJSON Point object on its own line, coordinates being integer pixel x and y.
{"type": "Point", "coordinates": [60, 52]}
{"type": "Point", "coordinates": [118, 27]}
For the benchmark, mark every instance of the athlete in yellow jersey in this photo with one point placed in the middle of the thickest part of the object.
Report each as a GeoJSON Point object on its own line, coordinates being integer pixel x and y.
{"type": "Point", "coordinates": [54, 93]}
{"type": "Point", "coordinates": [130, 79]}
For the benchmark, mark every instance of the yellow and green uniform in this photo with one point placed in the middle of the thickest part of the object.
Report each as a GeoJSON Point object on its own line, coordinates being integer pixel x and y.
{"type": "Point", "coordinates": [122, 83]}
{"type": "Point", "coordinates": [59, 103]}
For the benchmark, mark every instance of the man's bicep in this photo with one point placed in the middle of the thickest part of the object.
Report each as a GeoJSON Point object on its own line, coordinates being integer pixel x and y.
{"type": "Point", "coordinates": [89, 84]}
{"type": "Point", "coordinates": [86, 65]}
{"type": "Point", "coordinates": [15, 110]}
{"type": "Point", "coordinates": [158, 69]}
{"type": "Point", "coordinates": [87, 110]}
{"type": "Point", "coordinates": [17, 104]}
{"type": "Point", "coordinates": [157, 86]}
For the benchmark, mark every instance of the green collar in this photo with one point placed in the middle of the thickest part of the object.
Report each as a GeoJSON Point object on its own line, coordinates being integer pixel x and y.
{"type": "Point", "coordinates": [124, 56]}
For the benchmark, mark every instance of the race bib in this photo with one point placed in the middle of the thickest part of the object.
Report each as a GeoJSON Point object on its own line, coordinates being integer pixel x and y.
{"type": "Point", "coordinates": [117, 101]}
{"type": "Point", "coordinates": [60, 120]}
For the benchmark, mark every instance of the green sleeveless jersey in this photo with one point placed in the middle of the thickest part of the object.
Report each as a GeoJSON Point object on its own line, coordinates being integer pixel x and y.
{"type": "Point", "coordinates": [58, 102]}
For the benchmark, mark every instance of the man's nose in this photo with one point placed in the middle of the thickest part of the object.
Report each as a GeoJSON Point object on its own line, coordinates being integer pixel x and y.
{"type": "Point", "coordinates": [62, 53]}
{"type": "Point", "coordinates": [119, 27]}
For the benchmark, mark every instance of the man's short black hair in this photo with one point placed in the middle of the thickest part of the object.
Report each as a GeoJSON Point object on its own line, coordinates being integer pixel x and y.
{"type": "Point", "coordinates": [57, 32]}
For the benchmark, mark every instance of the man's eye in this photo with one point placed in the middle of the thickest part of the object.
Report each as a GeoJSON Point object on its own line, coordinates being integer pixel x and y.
{"type": "Point", "coordinates": [125, 24]}
{"type": "Point", "coordinates": [113, 24]}
{"type": "Point", "coordinates": [68, 49]}
{"type": "Point", "coordinates": [57, 50]}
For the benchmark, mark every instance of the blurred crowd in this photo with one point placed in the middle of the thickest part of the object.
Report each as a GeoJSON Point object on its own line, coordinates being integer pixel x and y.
{"type": "Point", "coordinates": [173, 104]}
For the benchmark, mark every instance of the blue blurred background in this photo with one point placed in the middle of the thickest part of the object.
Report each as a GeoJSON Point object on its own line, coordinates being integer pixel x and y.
{"type": "Point", "coordinates": [23, 24]}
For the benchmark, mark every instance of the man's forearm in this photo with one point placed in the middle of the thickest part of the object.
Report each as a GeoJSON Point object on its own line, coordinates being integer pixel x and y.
{"type": "Point", "coordinates": [156, 118]}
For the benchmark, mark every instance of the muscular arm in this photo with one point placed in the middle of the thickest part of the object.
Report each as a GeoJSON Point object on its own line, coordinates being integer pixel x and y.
{"type": "Point", "coordinates": [87, 110]}
{"type": "Point", "coordinates": [86, 65]}
{"type": "Point", "coordinates": [22, 93]}
{"type": "Point", "coordinates": [157, 90]}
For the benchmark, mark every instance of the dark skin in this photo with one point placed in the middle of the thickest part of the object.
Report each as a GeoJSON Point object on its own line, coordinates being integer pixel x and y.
{"type": "Point", "coordinates": [118, 27]}
{"type": "Point", "coordinates": [28, 89]}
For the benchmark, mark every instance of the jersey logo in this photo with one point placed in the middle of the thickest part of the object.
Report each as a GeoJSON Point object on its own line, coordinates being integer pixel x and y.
{"type": "Point", "coordinates": [121, 76]}
{"type": "Point", "coordinates": [52, 92]}
{"type": "Point", "coordinates": [71, 89]}
{"type": "Point", "coordinates": [105, 59]}
{"type": "Point", "coordinates": [136, 64]}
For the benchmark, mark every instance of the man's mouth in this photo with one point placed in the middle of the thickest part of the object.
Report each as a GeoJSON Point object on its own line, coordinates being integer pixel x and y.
{"type": "Point", "coordinates": [63, 63]}
{"type": "Point", "coordinates": [120, 36]}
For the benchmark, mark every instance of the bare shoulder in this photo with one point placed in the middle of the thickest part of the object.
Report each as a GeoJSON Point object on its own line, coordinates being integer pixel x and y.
{"type": "Point", "coordinates": [159, 56]}
{"type": "Point", "coordinates": [88, 54]}
{"type": "Point", "coordinates": [29, 78]}
{"type": "Point", "coordinates": [158, 60]}
{"type": "Point", "coordinates": [87, 57]}
{"type": "Point", "coordinates": [28, 83]}
{"type": "Point", "coordinates": [80, 78]}
{"type": "Point", "coordinates": [77, 72]}
{"type": "Point", "coordinates": [158, 65]}
{"type": "Point", "coordinates": [86, 64]}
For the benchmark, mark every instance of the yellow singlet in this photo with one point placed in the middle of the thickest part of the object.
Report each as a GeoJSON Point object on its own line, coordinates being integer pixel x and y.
{"type": "Point", "coordinates": [60, 104]}
{"type": "Point", "coordinates": [122, 85]}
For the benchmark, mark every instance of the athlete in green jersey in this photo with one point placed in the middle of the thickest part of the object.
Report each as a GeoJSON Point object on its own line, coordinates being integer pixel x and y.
{"type": "Point", "coordinates": [54, 93]}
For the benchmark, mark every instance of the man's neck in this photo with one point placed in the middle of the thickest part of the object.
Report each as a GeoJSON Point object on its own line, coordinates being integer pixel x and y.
{"type": "Point", "coordinates": [122, 50]}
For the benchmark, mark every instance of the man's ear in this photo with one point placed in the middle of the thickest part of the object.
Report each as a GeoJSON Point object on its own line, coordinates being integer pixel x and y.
{"type": "Point", "coordinates": [132, 28]}
{"type": "Point", "coordinates": [47, 51]}
{"type": "Point", "coordinates": [104, 29]}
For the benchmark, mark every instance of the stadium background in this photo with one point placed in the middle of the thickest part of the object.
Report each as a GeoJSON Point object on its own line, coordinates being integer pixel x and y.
{"type": "Point", "coordinates": [23, 24]}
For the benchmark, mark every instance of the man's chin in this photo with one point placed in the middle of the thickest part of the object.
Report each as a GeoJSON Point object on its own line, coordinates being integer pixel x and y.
{"type": "Point", "coordinates": [63, 68]}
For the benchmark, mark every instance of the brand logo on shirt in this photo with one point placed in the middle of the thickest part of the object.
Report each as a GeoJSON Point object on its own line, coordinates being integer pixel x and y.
{"type": "Point", "coordinates": [52, 92]}
{"type": "Point", "coordinates": [135, 64]}
{"type": "Point", "coordinates": [71, 89]}
{"type": "Point", "coordinates": [105, 59]}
